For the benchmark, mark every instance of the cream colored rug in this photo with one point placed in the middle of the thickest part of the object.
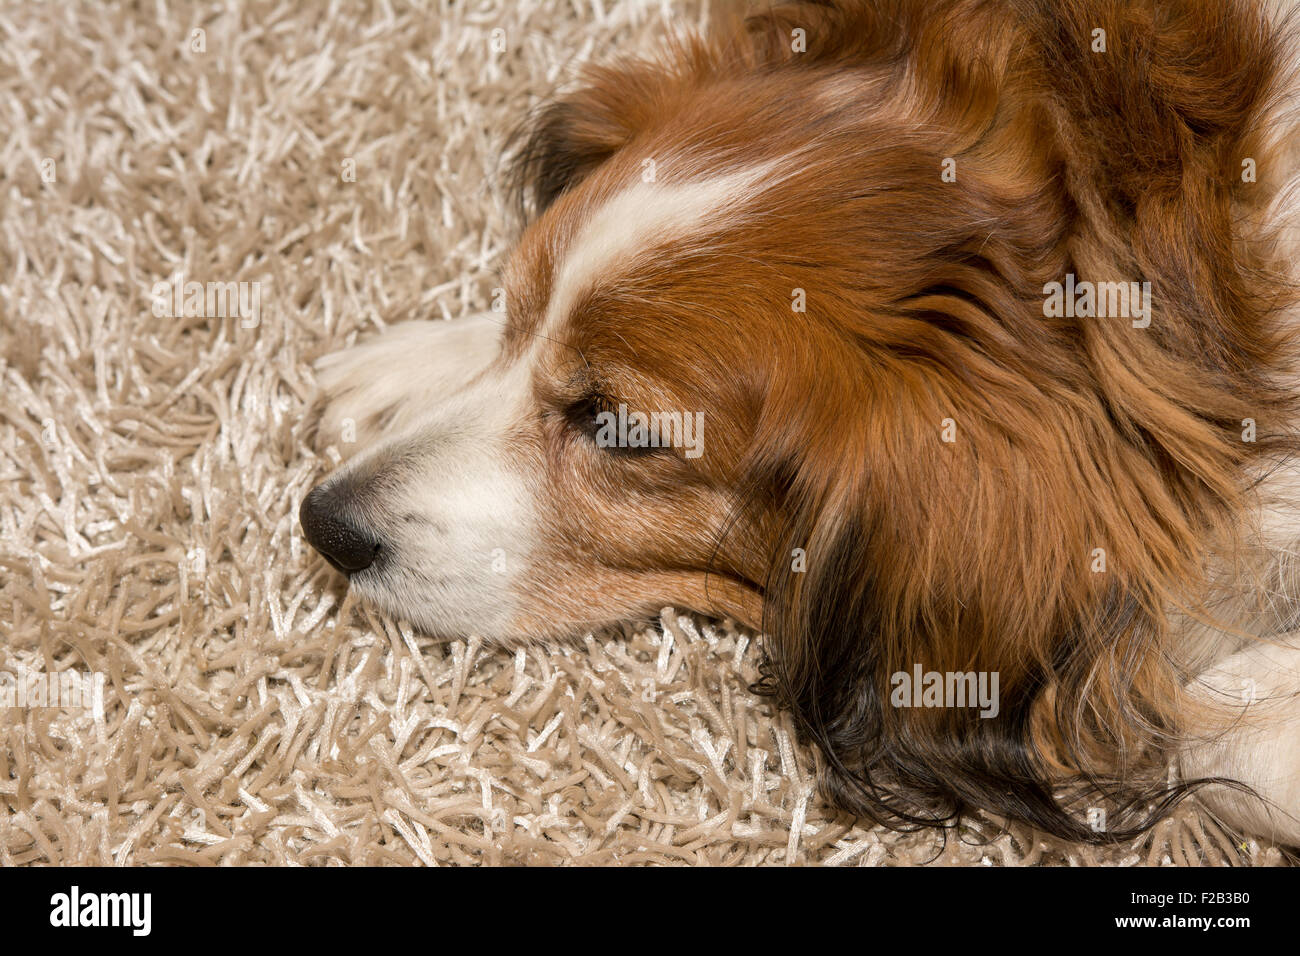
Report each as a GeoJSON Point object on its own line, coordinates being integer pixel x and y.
{"type": "Point", "coordinates": [346, 158]}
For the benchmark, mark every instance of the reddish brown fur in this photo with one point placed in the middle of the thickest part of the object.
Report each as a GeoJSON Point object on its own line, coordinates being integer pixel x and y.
{"type": "Point", "coordinates": [925, 303]}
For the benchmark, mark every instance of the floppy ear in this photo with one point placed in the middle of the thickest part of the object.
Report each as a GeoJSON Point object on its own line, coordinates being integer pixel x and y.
{"type": "Point", "coordinates": [571, 136]}
{"type": "Point", "coordinates": [568, 138]}
{"type": "Point", "coordinates": [559, 148]}
{"type": "Point", "coordinates": [972, 560]}
{"type": "Point", "coordinates": [836, 645]}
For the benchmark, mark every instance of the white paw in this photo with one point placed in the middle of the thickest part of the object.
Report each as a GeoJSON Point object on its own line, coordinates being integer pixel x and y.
{"type": "Point", "coordinates": [1257, 695]}
{"type": "Point", "coordinates": [379, 387]}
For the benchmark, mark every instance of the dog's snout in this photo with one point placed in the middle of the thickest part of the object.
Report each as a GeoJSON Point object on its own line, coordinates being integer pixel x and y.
{"type": "Point", "coordinates": [333, 533]}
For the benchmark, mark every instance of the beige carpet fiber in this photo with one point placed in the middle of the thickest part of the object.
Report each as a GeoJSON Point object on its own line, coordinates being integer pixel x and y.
{"type": "Point", "coordinates": [151, 469]}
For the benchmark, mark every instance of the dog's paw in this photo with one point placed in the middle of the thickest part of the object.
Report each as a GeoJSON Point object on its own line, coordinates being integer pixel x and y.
{"type": "Point", "coordinates": [379, 388]}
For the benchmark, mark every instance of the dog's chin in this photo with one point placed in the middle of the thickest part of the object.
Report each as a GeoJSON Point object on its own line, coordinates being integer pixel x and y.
{"type": "Point", "coordinates": [437, 609]}
{"type": "Point", "coordinates": [458, 614]}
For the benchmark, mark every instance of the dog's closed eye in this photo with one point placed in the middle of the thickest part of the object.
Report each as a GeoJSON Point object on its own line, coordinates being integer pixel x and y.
{"type": "Point", "coordinates": [604, 422]}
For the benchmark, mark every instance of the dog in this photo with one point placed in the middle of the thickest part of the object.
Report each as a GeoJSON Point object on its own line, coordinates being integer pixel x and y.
{"type": "Point", "coordinates": [945, 343]}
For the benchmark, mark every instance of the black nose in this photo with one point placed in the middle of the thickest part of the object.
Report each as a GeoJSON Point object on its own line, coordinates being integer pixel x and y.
{"type": "Point", "coordinates": [327, 526]}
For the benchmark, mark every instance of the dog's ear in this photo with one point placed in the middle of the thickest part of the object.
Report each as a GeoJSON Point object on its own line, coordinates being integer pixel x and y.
{"type": "Point", "coordinates": [572, 135]}
{"type": "Point", "coordinates": [898, 556]}
{"type": "Point", "coordinates": [560, 147]}
{"type": "Point", "coordinates": [858, 681]}
{"type": "Point", "coordinates": [568, 138]}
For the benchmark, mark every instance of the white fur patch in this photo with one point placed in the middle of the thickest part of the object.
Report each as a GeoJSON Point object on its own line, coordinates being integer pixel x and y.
{"type": "Point", "coordinates": [640, 216]}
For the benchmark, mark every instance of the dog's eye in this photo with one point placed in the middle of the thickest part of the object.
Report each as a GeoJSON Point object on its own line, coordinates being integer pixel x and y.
{"type": "Point", "coordinates": [609, 425]}
{"type": "Point", "coordinates": [585, 411]}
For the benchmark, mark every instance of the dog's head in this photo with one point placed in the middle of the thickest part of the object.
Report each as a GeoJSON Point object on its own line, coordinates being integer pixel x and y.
{"type": "Point", "coordinates": [775, 347]}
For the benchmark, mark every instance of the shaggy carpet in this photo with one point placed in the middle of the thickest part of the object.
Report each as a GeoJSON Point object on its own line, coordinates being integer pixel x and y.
{"type": "Point", "coordinates": [345, 160]}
